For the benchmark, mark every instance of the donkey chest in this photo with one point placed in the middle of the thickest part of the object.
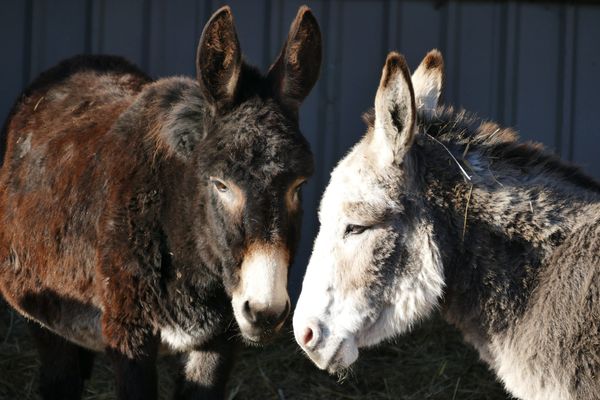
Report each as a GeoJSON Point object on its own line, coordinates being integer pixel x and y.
{"type": "Point", "coordinates": [176, 339]}
{"type": "Point", "coordinates": [191, 323]}
{"type": "Point", "coordinates": [525, 371]}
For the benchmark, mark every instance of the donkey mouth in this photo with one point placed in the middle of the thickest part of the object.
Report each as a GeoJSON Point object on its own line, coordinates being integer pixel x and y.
{"type": "Point", "coordinates": [261, 333]}
{"type": "Point", "coordinates": [335, 361]}
{"type": "Point", "coordinates": [258, 338]}
{"type": "Point", "coordinates": [334, 364]}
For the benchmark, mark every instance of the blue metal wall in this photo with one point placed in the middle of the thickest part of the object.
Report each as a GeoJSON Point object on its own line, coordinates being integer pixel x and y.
{"type": "Point", "coordinates": [534, 66]}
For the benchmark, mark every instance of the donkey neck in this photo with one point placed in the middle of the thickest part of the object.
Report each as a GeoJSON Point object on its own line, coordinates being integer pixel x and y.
{"type": "Point", "coordinates": [515, 201]}
{"type": "Point", "coordinates": [496, 229]}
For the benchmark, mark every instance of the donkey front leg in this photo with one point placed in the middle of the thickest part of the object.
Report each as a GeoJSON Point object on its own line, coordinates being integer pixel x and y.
{"type": "Point", "coordinates": [64, 365]}
{"type": "Point", "coordinates": [206, 370]}
{"type": "Point", "coordinates": [136, 376]}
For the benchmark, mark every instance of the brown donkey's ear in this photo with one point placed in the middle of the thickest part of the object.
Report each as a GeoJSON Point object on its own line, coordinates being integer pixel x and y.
{"type": "Point", "coordinates": [395, 112]}
{"type": "Point", "coordinates": [296, 70]}
{"type": "Point", "coordinates": [428, 80]}
{"type": "Point", "coordinates": [219, 59]}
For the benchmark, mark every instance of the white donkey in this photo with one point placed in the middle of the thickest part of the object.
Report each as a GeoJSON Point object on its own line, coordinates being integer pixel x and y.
{"type": "Point", "coordinates": [436, 209]}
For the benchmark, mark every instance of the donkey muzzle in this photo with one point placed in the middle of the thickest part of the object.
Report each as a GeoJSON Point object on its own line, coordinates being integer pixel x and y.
{"type": "Point", "coordinates": [261, 304]}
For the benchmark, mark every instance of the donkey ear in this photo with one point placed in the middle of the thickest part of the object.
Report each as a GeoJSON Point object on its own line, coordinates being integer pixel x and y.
{"type": "Point", "coordinates": [219, 59]}
{"type": "Point", "coordinates": [428, 80]}
{"type": "Point", "coordinates": [296, 70]}
{"type": "Point", "coordinates": [395, 111]}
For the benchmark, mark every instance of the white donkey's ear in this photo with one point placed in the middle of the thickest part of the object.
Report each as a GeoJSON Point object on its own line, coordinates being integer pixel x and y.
{"type": "Point", "coordinates": [395, 112]}
{"type": "Point", "coordinates": [428, 80]}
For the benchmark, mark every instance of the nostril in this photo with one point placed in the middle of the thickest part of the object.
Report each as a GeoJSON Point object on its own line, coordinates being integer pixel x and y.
{"type": "Point", "coordinates": [310, 336]}
{"type": "Point", "coordinates": [247, 312]}
{"type": "Point", "coordinates": [284, 314]}
{"type": "Point", "coordinates": [307, 337]}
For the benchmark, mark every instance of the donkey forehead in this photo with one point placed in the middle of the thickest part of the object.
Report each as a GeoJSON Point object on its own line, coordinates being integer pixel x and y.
{"type": "Point", "coordinates": [257, 140]}
{"type": "Point", "coordinates": [258, 116]}
{"type": "Point", "coordinates": [357, 191]}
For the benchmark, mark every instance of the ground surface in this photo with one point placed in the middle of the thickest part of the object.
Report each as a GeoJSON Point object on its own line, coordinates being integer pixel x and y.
{"type": "Point", "coordinates": [429, 363]}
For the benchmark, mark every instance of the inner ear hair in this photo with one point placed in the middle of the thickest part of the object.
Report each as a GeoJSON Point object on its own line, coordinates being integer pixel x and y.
{"type": "Point", "coordinates": [219, 59]}
{"type": "Point", "coordinates": [395, 110]}
{"type": "Point", "coordinates": [298, 65]}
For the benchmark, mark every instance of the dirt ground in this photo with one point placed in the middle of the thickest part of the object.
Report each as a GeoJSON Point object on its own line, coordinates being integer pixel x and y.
{"type": "Point", "coordinates": [429, 363]}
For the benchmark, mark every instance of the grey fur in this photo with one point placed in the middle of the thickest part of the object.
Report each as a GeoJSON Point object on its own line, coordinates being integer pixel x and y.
{"type": "Point", "coordinates": [518, 245]}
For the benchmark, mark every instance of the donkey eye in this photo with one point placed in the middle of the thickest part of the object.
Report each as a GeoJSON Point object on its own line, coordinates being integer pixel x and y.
{"type": "Point", "coordinates": [354, 229]}
{"type": "Point", "coordinates": [298, 188]}
{"type": "Point", "coordinates": [219, 185]}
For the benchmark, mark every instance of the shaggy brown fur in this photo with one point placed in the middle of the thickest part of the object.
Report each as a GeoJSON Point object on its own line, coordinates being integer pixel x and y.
{"type": "Point", "coordinates": [119, 230]}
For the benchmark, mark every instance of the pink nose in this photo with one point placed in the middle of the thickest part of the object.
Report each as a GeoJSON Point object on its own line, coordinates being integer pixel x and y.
{"type": "Point", "coordinates": [309, 336]}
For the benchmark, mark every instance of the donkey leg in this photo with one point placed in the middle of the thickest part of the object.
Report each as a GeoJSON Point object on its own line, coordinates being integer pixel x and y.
{"type": "Point", "coordinates": [206, 370]}
{"type": "Point", "coordinates": [86, 363]}
{"type": "Point", "coordinates": [64, 365]}
{"type": "Point", "coordinates": [135, 377]}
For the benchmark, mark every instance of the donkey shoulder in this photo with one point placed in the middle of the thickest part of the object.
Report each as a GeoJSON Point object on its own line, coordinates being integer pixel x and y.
{"type": "Point", "coordinates": [561, 331]}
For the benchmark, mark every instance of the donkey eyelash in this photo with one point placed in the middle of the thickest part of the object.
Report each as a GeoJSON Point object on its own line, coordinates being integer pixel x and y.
{"type": "Point", "coordinates": [354, 230]}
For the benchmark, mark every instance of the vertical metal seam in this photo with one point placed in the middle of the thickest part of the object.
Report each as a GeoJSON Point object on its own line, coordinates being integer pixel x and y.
{"type": "Point", "coordinates": [146, 15]}
{"type": "Point", "coordinates": [280, 22]}
{"type": "Point", "coordinates": [501, 62]}
{"type": "Point", "coordinates": [573, 85]}
{"type": "Point", "coordinates": [162, 37]}
{"type": "Point", "coordinates": [492, 72]}
{"type": "Point", "coordinates": [266, 56]}
{"type": "Point", "coordinates": [385, 29]}
{"type": "Point", "coordinates": [337, 83]}
{"type": "Point", "coordinates": [101, 25]}
{"type": "Point", "coordinates": [324, 104]}
{"type": "Point", "coordinates": [27, 42]}
{"type": "Point", "coordinates": [515, 66]}
{"type": "Point", "coordinates": [399, 37]}
{"type": "Point", "coordinates": [87, 40]}
{"type": "Point", "coordinates": [442, 40]}
{"type": "Point", "coordinates": [560, 77]}
{"type": "Point", "coordinates": [457, 57]}
{"type": "Point", "coordinates": [40, 35]}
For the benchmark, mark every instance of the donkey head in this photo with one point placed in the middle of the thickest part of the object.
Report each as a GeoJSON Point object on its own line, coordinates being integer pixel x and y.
{"type": "Point", "coordinates": [374, 269]}
{"type": "Point", "coordinates": [250, 164]}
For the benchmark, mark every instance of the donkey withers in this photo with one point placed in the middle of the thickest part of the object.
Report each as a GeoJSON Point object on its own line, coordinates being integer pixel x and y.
{"type": "Point", "coordinates": [138, 215]}
{"type": "Point", "coordinates": [436, 209]}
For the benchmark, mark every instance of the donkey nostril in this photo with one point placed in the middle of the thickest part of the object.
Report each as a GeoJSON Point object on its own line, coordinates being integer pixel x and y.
{"type": "Point", "coordinates": [284, 314]}
{"type": "Point", "coordinates": [247, 312]}
{"type": "Point", "coordinates": [307, 337]}
{"type": "Point", "coordinates": [310, 336]}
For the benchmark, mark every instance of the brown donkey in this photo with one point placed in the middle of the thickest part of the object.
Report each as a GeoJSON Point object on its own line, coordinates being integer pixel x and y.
{"type": "Point", "coordinates": [144, 215]}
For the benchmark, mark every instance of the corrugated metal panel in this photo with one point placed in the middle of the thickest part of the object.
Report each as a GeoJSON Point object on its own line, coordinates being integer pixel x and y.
{"type": "Point", "coordinates": [534, 66]}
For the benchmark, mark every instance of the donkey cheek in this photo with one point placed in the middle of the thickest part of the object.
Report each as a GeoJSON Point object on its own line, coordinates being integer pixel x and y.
{"type": "Point", "coordinates": [351, 275]}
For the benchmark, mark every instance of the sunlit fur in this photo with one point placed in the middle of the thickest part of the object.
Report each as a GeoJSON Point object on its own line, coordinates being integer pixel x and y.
{"type": "Point", "coordinates": [499, 235]}
{"type": "Point", "coordinates": [367, 287]}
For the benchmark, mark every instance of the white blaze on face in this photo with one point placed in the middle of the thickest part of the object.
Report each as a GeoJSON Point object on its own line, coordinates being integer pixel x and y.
{"type": "Point", "coordinates": [338, 311]}
{"type": "Point", "coordinates": [335, 297]}
{"type": "Point", "coordinates": [263, 283]}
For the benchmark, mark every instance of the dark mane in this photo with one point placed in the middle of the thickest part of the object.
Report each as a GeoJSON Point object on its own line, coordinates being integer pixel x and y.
{"type": "Point", "coordinates": [463, 128]}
